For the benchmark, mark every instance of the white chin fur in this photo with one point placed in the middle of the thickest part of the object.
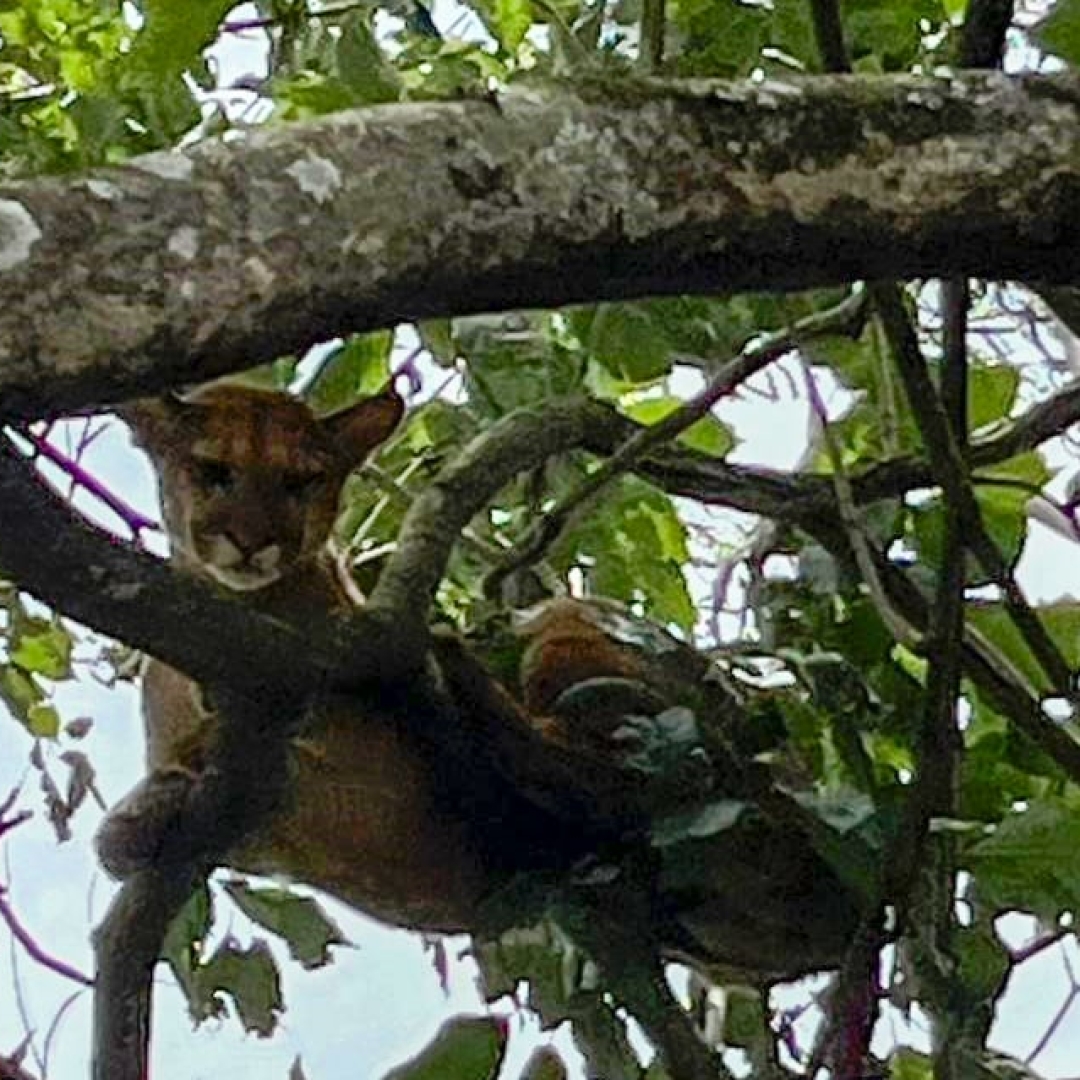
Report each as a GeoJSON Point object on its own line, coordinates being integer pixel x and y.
{"type": "Point", "coordinates": [242, 580]}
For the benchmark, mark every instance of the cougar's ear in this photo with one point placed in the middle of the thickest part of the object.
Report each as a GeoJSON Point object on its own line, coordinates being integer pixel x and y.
{"type": "Point", "coordinates": [359, 430]}
{"type": "Point", "coordinates": [151, 419]}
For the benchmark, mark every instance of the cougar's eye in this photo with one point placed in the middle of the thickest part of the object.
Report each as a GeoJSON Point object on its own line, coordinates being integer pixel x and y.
{"type": "Point", "coordinates": [213, 474]}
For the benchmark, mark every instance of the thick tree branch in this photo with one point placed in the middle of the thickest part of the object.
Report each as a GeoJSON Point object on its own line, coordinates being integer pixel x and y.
{"type": "Point", "coordinates": [183, 266]}
{"type": "Point", "coordinates": [523, 440]}
{"type": "Point", "coordinates": [203, 630]}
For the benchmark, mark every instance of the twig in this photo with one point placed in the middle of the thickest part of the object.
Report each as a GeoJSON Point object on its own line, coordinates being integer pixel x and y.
{"type": "Point", "coordinates": [950, 469]}
{"type": "Point", "coordinates": [135, 521]}
{"type": "Point", "coordinates": [1047, 420]}
{"type": "Point", "coordinates": [54, 1028]}
{"type": "Point", "coordinates": [1055, 1023]}
{"type": "Point", "coordinates": [331, 11]}
{"type": "Point", "coordinates": [938, 745]}
{"type": "Point", "coordinates": [33, 949]}
{"type": "Point", "coordinates": [11, 1069]}
{"type": "Point", "coordinates": [651, 48]}
{"type": "Point", "coordinates": [900, 628]}
{"type": "Point", "coordinates": [755, 356]}
{"type": "Point", "coordinates": [1038, 945]}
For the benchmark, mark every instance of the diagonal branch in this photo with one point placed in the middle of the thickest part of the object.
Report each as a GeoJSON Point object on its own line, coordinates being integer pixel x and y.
{"type": "Point", "coordinates": [844, 318]}
{"type": "Point", "coordinates": [208, 633]}
{"type": "Point", "coordinates": [951, 472]}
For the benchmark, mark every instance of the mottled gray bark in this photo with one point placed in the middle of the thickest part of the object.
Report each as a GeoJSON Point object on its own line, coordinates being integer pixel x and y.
{"type": "Point", "coordinates": [189, 265]}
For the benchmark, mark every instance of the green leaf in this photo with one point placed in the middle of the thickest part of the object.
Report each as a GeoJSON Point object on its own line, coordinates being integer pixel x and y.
{"type": "Point", "coordinates": [991, 393]}
{"type": "Point", "coordinates": [182, 948]}
{"type": "Point", "coordinates": [709, 435]}
{"type": "Point", "coordinates": [299, 920]}
{"type": "Point", "coordinates": [908, 1064]}
{"type": "Point", "coordinates": [362, 65]}
{"type": "Point", "coordinates": [43, 647]}
{"type": "Point", "coordinates": [1029, 862]}
{"type": "Point", "coordinates": [628, 341]}
{"type": "Point", "coordinates": [464, 1048]}
{"type": "Point", "coordinates": [1062, 620]}
{"type": "Point", "coordinates": [844, 811]}
{"type": "Point", "coordinates": [544, 1064]}
{"type": "Point", "coordinates": [43, 721]}
{"type": "Point", "coordinates": [984, 960]}
{"type": "Point", "coordinates": [1059, 32]}
{"type": "Point", "coordinates": [250, 977]}
{"type": "Point", "coordinates": [174, 35]}
{"type": "Point", "coordinates": [887, 35]}
{"type": "Point", "coordinates": [744, 1016]}
{"type": "Point", "coordinates": [359, 367]}
{"type": "Point", "coordinates": [512, 21]}
{"type": "Point", "coordinates": [20, 693]}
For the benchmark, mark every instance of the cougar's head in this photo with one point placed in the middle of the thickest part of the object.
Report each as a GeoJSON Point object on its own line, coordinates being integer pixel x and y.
{"type": "Point", "coordinates": [249, 479]}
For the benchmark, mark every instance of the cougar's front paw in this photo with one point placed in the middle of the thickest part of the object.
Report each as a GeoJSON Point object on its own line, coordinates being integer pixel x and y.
{"type": "Point", "coordinates": [138, 827]}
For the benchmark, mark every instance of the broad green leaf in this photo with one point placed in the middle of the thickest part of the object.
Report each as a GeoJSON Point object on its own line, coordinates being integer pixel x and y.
{"type": "Point", "coordinates": [362, 65]}
{"type": "Point", "coordinates": [984, 960]}
{"type": "Point", "coordinates": [722, 40]}
{"type": "Point", "coordinates": [744, 1018]}
{"type": "Point", "coordinates": [43, 721]}
{"type": "Point", "coordinates": [628, 341]}
{"type": "Point", "coordinates": [634, 546]}
{"type": "Point", "coordinates": [888, 32]}
{"type": "Point", "coordinates": [182, 949]}
{"type": "Point", "coordinates": [1029, 862]}
{"type": "Point", "coordinates": [844, 811]}
{"type": "Point", "coordinates": [512, 21]}
{"type": "Point", "coordinates": [20, 693]}
{"type": "Point", "coordinates": [1059, 32]}
{"type": "Point", "coordinates": [250, 977]}
{"type": "Point", "coordinates": [991, 393]}
{"type": "Point", "coordinates": [43, 647]}
{"type": "Point", "coordinates": [1062, 621]}
{"type": "Point", "coordinates": [464, 1048]}
{"type": "Point", "coordinates": [709, 435]}
{"type": "Point", "coordinates": [299, 920]}
{"type": "Point", "coordinates": [908, 1064]}
{"type": "Point", "coordinates": [174, 35]}
{"type": "Point", "coordinates": [544, 1064]}
{"type": "Point", "coordinates": [358, 367]}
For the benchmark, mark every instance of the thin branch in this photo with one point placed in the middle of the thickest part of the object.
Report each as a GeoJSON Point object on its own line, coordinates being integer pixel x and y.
{"type": "Point", "coordinates": [237, 26]}
{"type": "Point", "coordinates": [900, 628]}
{"type": "Point", "coordinates": [653, 26]}
{"type": "Point", "coordinates": [11, 1068]}
{"type": "Point", "coordinates": [33, 949]}
{"type": "Point", "coordinates": [982, 41]}
{"type": "Point", "coordinates": [845, 317]}
{"type": "Point", "coordinates": [135, 521]}
{"type": "Point", "coordinates": [829, 35]}
{"type": "Point", "coordinates": [1038, 945]}
{"type": "Point", "coordinates": [939, 745]}
{"type": "Point", "coordinates": [951, 471]}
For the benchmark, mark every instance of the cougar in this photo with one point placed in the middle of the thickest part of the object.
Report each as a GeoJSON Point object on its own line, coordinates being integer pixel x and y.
{"type": "Point", "coordinates": [249, 485]}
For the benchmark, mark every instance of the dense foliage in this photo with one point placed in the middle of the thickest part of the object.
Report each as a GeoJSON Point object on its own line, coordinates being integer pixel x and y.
{"type": "Point", "coordinates": [909, 721]}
